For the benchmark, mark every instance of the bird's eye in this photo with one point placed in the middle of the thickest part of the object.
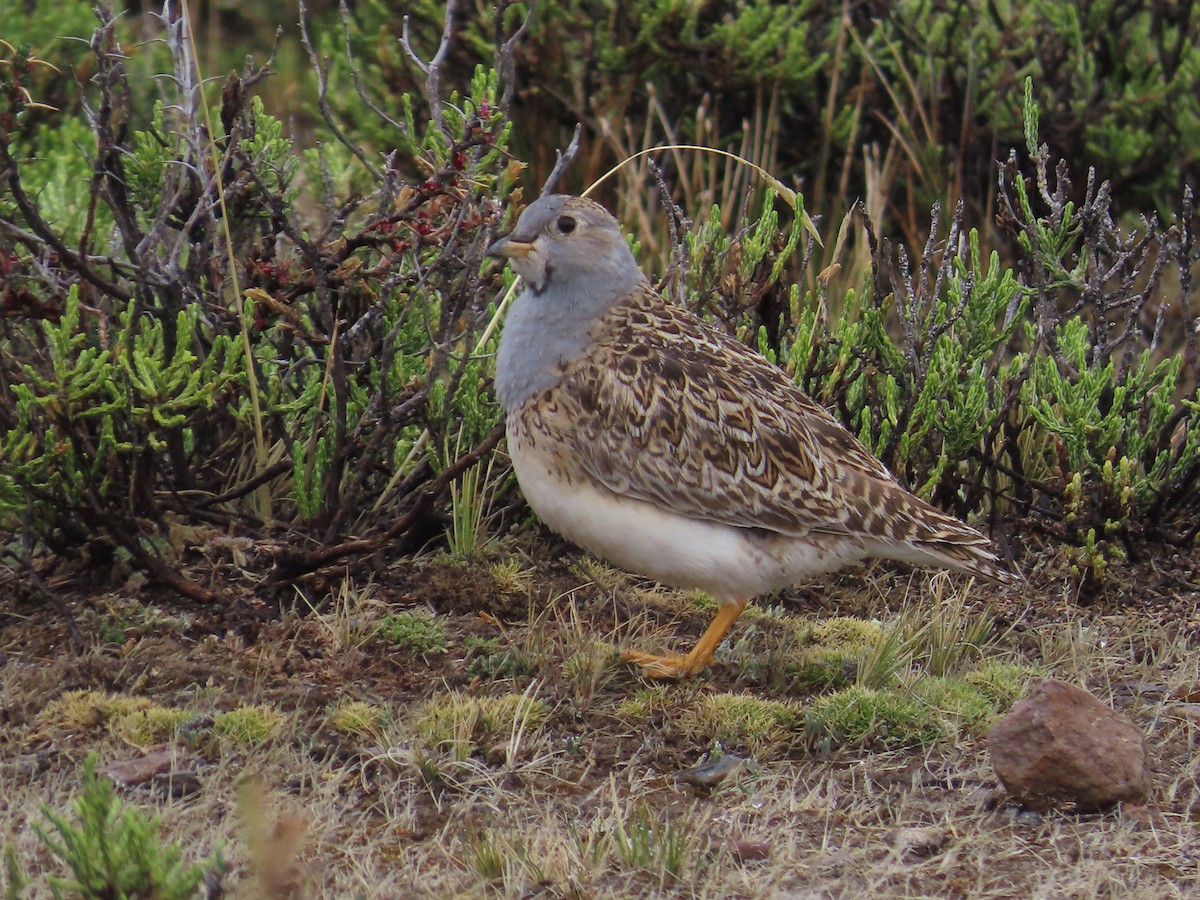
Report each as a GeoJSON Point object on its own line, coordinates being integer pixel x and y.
{"type": "Point", "coordinates": [566, 224]}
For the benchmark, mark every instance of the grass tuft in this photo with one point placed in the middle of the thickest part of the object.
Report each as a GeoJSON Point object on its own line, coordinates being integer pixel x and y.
{"type": "Point", "coordinates": [1003, 683]}
{"type": "Point", "coordinates": [741, 721]}
{"type": "Point", "coordinates": [152, 725]}
{"type": "Point", "coordinates": [955, 705]}
{"type": "Point", "coordinates": [463, 724]}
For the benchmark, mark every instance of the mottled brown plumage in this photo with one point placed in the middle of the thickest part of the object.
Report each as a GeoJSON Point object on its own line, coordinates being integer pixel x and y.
{"type": "Point", "coordinates": [667, 447]}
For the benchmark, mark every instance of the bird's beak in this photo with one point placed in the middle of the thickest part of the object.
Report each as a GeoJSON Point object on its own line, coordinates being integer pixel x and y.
{"type": "Point", "coordinates": [511, 247]}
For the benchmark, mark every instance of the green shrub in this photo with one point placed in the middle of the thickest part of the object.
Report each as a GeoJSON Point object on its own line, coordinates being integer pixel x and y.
{"type": "Point", "coordinates": [285, 345]}
{"type": "Point", "coordinates": [415, 632]}
{"type": "Point", "coordinates": [299, 347]}
{"type": "Point", "coordinates": [113, 850]}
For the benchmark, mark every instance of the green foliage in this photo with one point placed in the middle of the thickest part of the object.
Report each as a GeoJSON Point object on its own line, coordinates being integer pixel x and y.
{"type": "Point", "coordinates": [489, 660]}
{"type": "Point", "coordinates": [15, 880]}
{"type": "Point", "coordinates": [741, 721]}
{"type": "Point", "coordinates": [298, 337]}
{"type": "Point", "coordinates": [457, 726]}
{"type": "Point", "coordinates": [415, 632]}
{"type": "Point", "coordinates": [956, 705]}
{"type": "Point", "coordinates": [113, 850]}
{"type": "Point", "coordinates": [298, 347]}
{"type": "Point", "coordinates": [358, 718]}
{"type": "Point", "coordinates": [94, 410]}
{"type": "Point", "coordinates": [1107, 76]}
{"type": "Point", "coordinates": [927, 82]}
{"type": "Point", "coordinates": [657, 845]}
{"type": "Point", "coordinates": [1004, 683]}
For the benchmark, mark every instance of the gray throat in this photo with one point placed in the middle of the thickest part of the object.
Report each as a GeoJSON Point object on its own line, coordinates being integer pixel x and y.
{"type": "Point", "coordinates": [545, 331]}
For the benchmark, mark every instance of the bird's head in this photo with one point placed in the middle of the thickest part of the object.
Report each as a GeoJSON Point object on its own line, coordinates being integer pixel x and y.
{"type": "Point", "coordinates": [570, 242]}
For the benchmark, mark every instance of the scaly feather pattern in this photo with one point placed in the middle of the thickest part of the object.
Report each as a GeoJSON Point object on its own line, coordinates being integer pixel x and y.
{"type": "Point", "coordinates": [661, 444]}
{"type": "Point", "coordinates": [665, 408]}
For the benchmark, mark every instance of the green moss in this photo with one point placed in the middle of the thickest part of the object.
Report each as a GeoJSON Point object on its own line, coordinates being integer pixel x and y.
{"type": "Point", "coordinates": [819, 668]}
{"type": "Point", "coordinates": [741, 721]}
{"type": "Point", "coordinates": [862, 716]}
{"type": "Point", "coordinates": [464, 723]}
{"type": "Point", "coordinates": [644, 703]}
{"type": "Point", "coordinates": [81, 710]}
{"type": "Point", "coordinates": [152, 725]}
{"type": "Point", "coordinates": [831, 652]}
{"type": "Point", "coordinates": [490, 660]}
{"type": "Point", "coordinates": [844, 631]}
{"type": "Point", "coordinates": [249, 726]}
{"type": "Point", "coordinates": [955, 705]}
{"type": "Point", "coordinates": [1003, 683]}
{"type": "Point", "coordinates": [358, 718]}
{"type": "Point", "coordinates": [589, 665]}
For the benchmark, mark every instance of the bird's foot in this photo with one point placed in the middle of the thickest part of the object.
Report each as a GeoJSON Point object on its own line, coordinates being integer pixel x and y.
{"type": "Point", "coordinates": [670, 667]}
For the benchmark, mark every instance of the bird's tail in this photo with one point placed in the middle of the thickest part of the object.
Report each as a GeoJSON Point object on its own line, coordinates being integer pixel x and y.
{"type": "Point", "coordinates": [938, 539]}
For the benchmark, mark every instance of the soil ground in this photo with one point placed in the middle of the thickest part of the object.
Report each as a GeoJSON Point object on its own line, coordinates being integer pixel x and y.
{"type": "Point", "coordinates": [586, 784]}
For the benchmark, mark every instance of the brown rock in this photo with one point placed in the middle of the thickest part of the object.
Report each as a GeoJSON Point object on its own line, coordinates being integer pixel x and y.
{"type": "Point", "coordinates": [167, 769]}
{"type": "Point", "coordinates": [1060, 744]}
{"type": "Point", "coordinates": [751, 849]}
{"type": "Point", "coordinates": [1188, 711]}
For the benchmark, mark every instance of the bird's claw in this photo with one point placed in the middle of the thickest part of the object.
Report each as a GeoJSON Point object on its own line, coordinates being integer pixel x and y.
{"type": "Point", "coordinates": [661, 668]}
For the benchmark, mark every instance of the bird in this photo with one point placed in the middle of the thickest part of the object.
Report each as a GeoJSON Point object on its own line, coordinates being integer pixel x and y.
{"type": "Point", "coordinates": [654, 440]}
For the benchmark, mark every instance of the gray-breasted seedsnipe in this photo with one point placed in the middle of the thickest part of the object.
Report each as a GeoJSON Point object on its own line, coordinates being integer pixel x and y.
{"type": "Point", "coordinates": [650, 438]}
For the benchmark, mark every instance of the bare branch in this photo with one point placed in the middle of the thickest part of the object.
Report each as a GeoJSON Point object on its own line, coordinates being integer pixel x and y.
{"type": "Point", "coordinates": [505, 59]}
{"type": "Point", "coordinates": [432, 69]}
{"type": "Point", "coordinates": [356, 74]}
{"type": "Point", "coordinates": [10, 173]}
{"type": "Point", "coordinates": [563, 160]}
{"type": "Point", "coordinates": [322, 73]}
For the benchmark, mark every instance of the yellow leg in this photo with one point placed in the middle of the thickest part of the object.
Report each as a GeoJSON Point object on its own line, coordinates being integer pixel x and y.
{"type": "Point", "coordinates": [675, 666]}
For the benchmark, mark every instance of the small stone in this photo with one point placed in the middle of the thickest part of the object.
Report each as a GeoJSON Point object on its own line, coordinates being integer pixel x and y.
{"type": "Point", "coordinates": [751, 849]}
{"type": "Point", "coordinates": [159, 765]}
{"type": "Point", "coordinates": [1187, 711]}
{"type": "Point", "coordinates": [921, 842]}
{"type": "Point", "coordinates": [712, 772]}
{"type": "Point", "coordinates": [1028, 817]}
{"type": "Point", "coordinates": [1060, 744]}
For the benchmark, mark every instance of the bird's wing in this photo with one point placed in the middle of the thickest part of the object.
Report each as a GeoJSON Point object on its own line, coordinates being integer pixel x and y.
{"type": "Point", "coordinates": [669, 410]}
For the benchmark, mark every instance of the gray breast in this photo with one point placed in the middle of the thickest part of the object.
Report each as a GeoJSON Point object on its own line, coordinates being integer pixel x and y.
{"type": "Point", "coordinates": [545, 331]}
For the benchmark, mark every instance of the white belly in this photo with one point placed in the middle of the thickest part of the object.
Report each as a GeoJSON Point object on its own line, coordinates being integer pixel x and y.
{"type": "Point", "coordinates": [644, 538]}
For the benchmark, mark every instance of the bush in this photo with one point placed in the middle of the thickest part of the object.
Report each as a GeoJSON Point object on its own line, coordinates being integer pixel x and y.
{"type": "Point", "coordinates": [902, 104]}
{"type": "Point", "coordinates": [233, 330]}
{"type": "Point", "coordinates": [202, 334]}
{"type": "Point", "coordinates": [112, 850]}
{"type": "Point", "coordinates": [415, 632]}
